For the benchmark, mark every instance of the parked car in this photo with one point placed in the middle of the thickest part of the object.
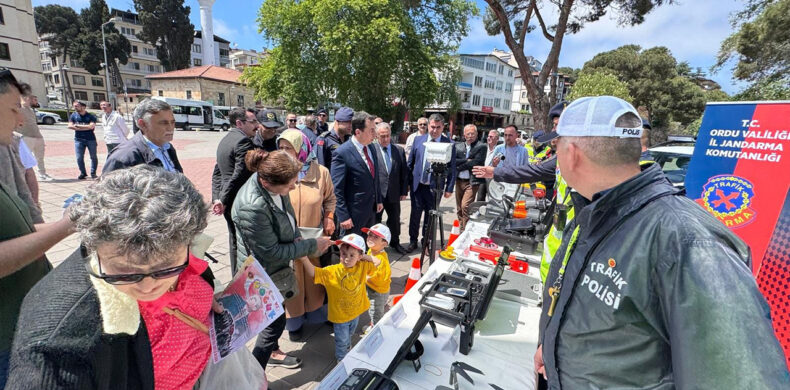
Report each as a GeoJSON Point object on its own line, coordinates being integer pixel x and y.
{"type": "Point", "coordinates": [674, 159]}
{"type": "Point", "coordinates": [46, 118]}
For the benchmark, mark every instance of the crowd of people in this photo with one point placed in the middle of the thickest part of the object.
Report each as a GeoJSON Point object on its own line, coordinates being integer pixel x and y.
{"type": "Point", "coordinates": [644, 288]}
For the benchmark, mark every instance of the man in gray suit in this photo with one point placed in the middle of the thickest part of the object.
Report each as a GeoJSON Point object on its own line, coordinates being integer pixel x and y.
{"type": "Point", "coordinates": [393, 181]}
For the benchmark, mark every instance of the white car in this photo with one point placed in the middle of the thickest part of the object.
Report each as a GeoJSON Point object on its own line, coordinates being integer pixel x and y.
{"type": "Point", "coordinates": [674, 160]}
{"type": "Point", "coordinates": [46, 118]}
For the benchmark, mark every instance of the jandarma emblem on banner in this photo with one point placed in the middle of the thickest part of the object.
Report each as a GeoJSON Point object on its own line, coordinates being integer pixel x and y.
{"type": "Point", "coordinates": [728, 198]}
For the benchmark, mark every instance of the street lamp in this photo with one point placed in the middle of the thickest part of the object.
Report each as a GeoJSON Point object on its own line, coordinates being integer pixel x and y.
{"type": "Point", "coordinates": [107, 64]}
{"type": "Point", "coordinates": [63, 69]}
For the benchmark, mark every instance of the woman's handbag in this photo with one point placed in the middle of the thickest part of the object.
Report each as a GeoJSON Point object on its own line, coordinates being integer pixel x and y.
{"type": "Point", "coordinates": [285, 280]}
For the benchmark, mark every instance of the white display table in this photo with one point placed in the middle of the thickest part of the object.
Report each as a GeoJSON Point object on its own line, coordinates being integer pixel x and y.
{"type": "Point", "coordinates": [504, 344]}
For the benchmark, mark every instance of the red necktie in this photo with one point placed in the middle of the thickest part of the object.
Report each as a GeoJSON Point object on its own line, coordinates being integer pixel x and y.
{"type": "Point", "coordinates": [370, 163]}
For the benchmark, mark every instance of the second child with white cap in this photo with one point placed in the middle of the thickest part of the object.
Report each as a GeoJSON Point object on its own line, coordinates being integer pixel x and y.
{"type": "Point", "coordinates": [378, 285]}
{"type": "Point", "coordinates": [345, 288]}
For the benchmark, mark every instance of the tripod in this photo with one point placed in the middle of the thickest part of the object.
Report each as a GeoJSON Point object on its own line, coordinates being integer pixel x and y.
{"type": "Point", "coordinates": [434, 216]}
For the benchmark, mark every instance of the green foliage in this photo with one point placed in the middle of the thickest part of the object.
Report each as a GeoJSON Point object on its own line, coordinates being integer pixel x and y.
{"type": "Point", "coordinates": [166, 26]}
{"type": "Point", "coordinates": [693, 127]}
{"type": "Point", "coordinates": [57, 25]}
{"type": "Point", "coordinates": [653, 82]}
{"type": "Point", "coordinates": [572, 73]}
{"type": "Point", "coordinates": [88, 45]}
{"type": "Point", "coordinates": [367, 54]}
{"type": "Point", "coordinates": [761, 46]}
{"type": "Point", "coordinates": [64, 116]}
{"type": "Point", "coordinates": [766, 90]}
{"type": "Point", "coordinates": [598, 83]}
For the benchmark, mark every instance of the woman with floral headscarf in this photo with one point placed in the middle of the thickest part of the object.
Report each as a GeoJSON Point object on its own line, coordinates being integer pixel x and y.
{"type": "Point", "coordinates": [313, 201]}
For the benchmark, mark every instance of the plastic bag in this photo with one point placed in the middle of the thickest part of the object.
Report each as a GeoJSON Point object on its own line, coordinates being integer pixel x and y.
{"type": "Point", "coordinates": [239, 370]}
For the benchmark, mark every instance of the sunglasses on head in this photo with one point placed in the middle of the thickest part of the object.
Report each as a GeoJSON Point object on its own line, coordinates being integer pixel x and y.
{"type": "Point", "coordinates": [136, 278]}
{"type": "Point", "coordinates": [5, 74]}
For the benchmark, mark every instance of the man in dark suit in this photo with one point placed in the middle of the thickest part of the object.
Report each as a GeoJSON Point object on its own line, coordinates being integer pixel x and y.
{"type": "Point", "coordinates": [393, 181]}
{"type": "Point", "coordinates": [423, 182]}
{"type": "Point", "coordinates": [230, 172]}
{"type": "Point", "coordinates": [354, 167]}
{"type": "Point", "coordinates": [467, 155]}
{"type": "Point", "coordinates": [151, 145]}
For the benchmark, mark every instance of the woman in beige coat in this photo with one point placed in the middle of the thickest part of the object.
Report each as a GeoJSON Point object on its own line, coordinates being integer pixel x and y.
{"type": "Point", "coordinates": [313, 201]}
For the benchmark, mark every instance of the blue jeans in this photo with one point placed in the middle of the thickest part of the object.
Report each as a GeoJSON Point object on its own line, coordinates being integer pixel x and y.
{"type": "Point", "coordinates": [79, 148]}
{"type": "Point", "coordinates": [4, 360]}
{"type": "Point", "coordinates": [343, 333]}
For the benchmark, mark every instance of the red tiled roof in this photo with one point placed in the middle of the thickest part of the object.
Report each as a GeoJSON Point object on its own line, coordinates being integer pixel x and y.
{"type": "Point", "coordinates": [211, 72]}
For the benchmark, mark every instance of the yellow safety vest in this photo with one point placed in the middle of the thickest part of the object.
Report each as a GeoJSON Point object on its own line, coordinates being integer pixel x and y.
{"type": "Point", "coordinates": [563, 214]}
{"type": "Point", "coordinates": [530, 152]}
{"type": "Point", "coordinates": [542, 154]}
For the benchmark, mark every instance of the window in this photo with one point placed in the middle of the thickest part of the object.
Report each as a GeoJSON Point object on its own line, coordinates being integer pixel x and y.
{"type": "Point", "coordinates": [473, 62]}
{"type": "Point", "coordinates": [80, 95]}
{"type": "Point", "coordinates": [77, 79]}
{"type": "Point", "coordinates": [507, 104]}
{"type": "Point", "coordinates": [197, 62]}
{"type": "Point", "coordinates": [5, 54]}
{"type": "Point", "coordinates": [510, 73]}
{"type": "Point", "coordinates": [195, 111]}
{"type": "Point", "coordinates": [497, 102]}
{"type": "Point", "coordinates": [498, 85]}
{"type": "Point", "coordinates": [133, 65]}
{"type": "Point", "coordinates": [57, 79]}
{"type": "Point", "coordinates": [240, 101]}
{"type": "Point", "coordinates": [478, 81]}
{"type": "Point", "coordinates": [465, 97]}
{"type": "Point", "coordinates": [176, 109]}
{"type": "Point", "coordinates": [54, 61]}
{"type": "Point", "coordinates": [135, 83]}
{"type": "Point", "coordinates": [161, 93]}
{"type": "Point", "coordinates": [74, 63]}
{"type": "Point", "coordinates": [189, 94]}
{"type": "Point", "coordinates": [524, 94]}
{"type": "Point", "coordinates": [127, 31]}
{"type": "Point", "coordinates": [490, 67]}
{"type": "Point", "coordinates": [476, 100]}
{"type": "Point", "coordinates": [490, 84]}
{"type": "Point", "coordinates": [149, 51]}
{"type": "Point", "coordinates": [97, 82]}
{"type": "Point", "coordinates": [221, 99]}
{"type": "Point", "coordinates": [2, 18]}
{"type": "Point", "coordinates": [152, 68]}
{"type": "Point", "coordinates": [97, 97]}
{"type": "Point", "coordinates": [501, 69]}
{"type": "Point", "coordinates": [224, 52]}
{"type": "Point", "coordinates": [508, 87]}
{"type": "Point", "coordinates": [196, 48]}
{"type": "Point", "coordinates": [134, 49]}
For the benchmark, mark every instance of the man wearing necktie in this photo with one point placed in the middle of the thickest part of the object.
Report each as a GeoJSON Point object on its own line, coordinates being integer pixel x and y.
{"type": "Point", "coordinates": [393, 181]}
{"type": "Point", "coordinates": [423, 182]}
{"type": "Point", "coordinates": [354, 168]}
{"type": "Point", "coordinates": [151, 145]}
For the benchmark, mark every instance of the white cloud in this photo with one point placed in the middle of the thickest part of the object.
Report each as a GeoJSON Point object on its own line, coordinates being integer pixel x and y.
{"type": "Point", "coordinates": [223, 30]}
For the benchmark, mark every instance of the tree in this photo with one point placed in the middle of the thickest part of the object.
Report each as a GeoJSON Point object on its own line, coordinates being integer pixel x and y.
{"type": "Point", "coordinates": [599, 83]}
{"type": "Point", "coordinates": [87, 48]}
{"type": "Point", "coordinates": [515, 19]}
{"type": "Point", "coordinates": [654, 83]}
{"type": "Point", "coordinates": [765, 90]}
{"type": "Point", "coordinates": [58, 25]}
{"type": "Point", "coordinates": [382, 56]}
{"type": "Point", "coordinates": [572, 73]}
{"type": "Point", "coordinates": [166, 26]}
{"type": "Point", "coordinates": [761, 44]}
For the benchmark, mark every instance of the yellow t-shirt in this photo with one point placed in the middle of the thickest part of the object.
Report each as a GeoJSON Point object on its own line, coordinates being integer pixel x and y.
{"type": "Point", "coordinates": [345, 288]}
{"type": "Point", "coordinates": [381, 279]}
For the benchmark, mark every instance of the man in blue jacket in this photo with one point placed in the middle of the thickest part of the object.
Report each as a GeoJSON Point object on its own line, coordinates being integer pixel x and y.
{"type": "Point", "coordinates": [423, 181]}
{"type": "Point", "coordinates": [354, 167]}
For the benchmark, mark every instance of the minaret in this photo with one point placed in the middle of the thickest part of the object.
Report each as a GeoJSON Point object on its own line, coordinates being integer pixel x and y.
{"type": "Point", "coordinates": [206, 23]}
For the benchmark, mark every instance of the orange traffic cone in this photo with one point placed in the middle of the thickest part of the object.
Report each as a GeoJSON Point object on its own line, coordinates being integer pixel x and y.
{"type": "Point", "coordinates": [454, 233]}
{"type": "Point", "coordinates": [414, 275]}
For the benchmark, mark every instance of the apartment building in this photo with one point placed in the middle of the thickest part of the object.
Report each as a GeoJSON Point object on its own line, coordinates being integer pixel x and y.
{"type": "Point", "coordinates": [19, 44]}
{"type": "Point", "coordinates": [221, 50]}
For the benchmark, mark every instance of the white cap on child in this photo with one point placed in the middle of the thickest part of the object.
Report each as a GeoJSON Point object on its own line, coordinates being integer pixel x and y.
{"type": "Point", "coordinates": [380, 230]}
{"type": "Point", "coordinates": [354, 240]}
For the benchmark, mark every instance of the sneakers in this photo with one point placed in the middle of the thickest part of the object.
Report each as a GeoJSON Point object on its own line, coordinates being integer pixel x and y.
{"type": "Point", "coordinates": [82, 177]}
{"type": "Point", "coordinates": [93, 176]}
{"type": "Point", "coordinates": [288, 362]}
{"type": "Point", "coordinates": [44, 177]}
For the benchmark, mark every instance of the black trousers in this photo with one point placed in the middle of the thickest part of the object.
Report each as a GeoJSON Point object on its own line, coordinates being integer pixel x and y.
{"type": "Point", "coordinates": [422, 202]}
{"type": "Point", "coordinates": [231, 239]}
{"type": "Point", "coordinates": [393, 220]}
{"type": "Point", "coordinates": [267, 341]}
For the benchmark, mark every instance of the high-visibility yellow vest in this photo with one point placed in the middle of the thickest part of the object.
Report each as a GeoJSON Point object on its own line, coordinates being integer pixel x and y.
{"type": "Point", "coordinates": [540, 156]}
{"type": "Point", "coordinates": [563, 214]}
{"type": "Point", "coordinates": [530, 152]}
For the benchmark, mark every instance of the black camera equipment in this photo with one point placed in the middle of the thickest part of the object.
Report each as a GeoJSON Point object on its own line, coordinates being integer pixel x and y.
{"type": "Point", "coordinates": [434, 216]}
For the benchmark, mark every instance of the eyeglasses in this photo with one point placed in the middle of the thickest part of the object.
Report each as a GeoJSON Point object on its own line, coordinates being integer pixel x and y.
{"type": "Point", "coordinates": [291, 120]}
{"type": "Point", "coordinates": [136, 278]}
{"type": "Point", "coordinates": [250, 120]}
{"type": "Point", "coordinates": [422, 124]}
{"type": "Point", "coordinates": [321, 114]}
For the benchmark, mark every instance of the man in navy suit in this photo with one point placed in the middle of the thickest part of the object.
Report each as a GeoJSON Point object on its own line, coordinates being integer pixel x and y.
{"type": "Point", "coordinates": [354, 167]}
{"type": "Point", "coordinates": [423, 182]}
{"type": "Point", "coordinates": [393, 181]}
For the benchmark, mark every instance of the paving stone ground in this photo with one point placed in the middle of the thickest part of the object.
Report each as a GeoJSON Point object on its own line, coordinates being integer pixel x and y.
{"type": "Point", "coordinates": [197, 154]}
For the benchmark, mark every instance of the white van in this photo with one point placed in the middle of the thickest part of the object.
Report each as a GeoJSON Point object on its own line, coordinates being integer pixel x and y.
{"type": "Point", "coordinates": [195, 114]}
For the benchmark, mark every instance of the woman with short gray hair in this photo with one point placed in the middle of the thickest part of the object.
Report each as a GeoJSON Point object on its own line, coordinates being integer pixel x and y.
{"type": "Point", "coordinates": [130, 310]}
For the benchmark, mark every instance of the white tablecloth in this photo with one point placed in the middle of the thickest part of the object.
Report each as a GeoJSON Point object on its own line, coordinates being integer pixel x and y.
{"type": "Point", "coordinates": [504, 345]}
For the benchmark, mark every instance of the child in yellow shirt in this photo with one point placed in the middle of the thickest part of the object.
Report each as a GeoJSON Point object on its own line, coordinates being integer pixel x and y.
{"type": "Point", "coordinates": [378, 285]}
{"type": "Point", "coordinates": [345, 288]}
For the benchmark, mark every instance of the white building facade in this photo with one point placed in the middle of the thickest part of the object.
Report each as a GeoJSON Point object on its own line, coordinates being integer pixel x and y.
{"type": "Point", "coordinates": [221, 51]}
{"type": "Point", "coordinates": [19, 44]}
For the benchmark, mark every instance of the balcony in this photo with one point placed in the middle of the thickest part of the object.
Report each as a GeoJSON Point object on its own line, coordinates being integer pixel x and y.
{"type": "Point", "coordinates": [463, 85]}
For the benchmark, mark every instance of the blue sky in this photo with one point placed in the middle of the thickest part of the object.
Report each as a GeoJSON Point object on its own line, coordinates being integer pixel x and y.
{"type": "Point", "coordinates": [692, 30]}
